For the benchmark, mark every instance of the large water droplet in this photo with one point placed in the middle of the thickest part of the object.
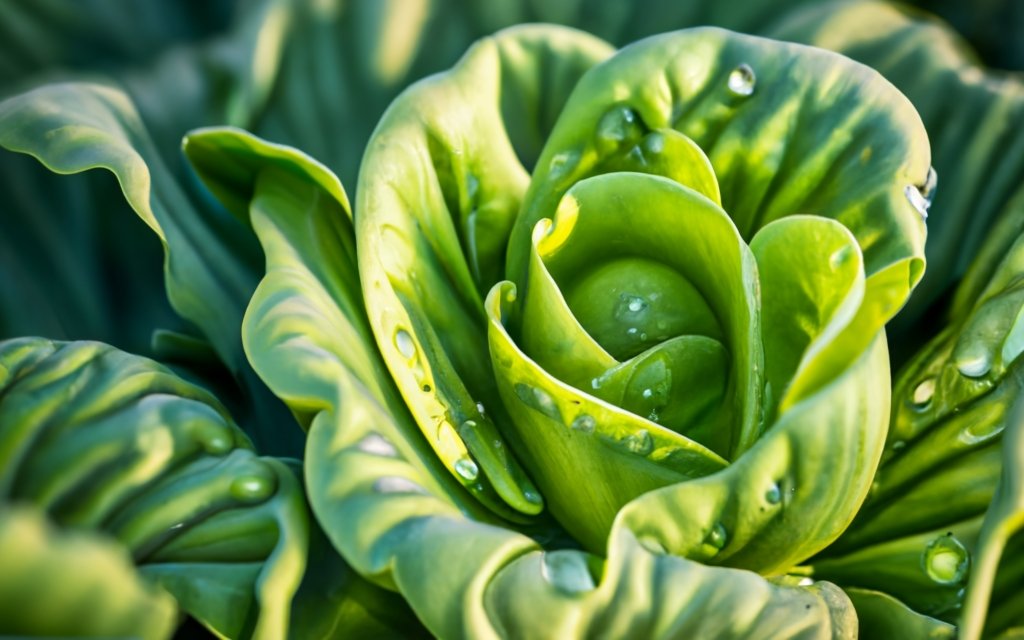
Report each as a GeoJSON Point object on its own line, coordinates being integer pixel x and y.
{"type": "Point", "coordinates": [717, 537]}
{"type": "Point", "coordinates": [567, 571]}
{"type": "Point", "coordinates": [840, 256]}
{"type": "Point", "coordinates": [639, 443]}
{"type": "Point", "coordinates": [742, 80]}
{"type": "Point", "coordinates": [975, 366]}
{"type": "Point", "coordinates": [538, 399]}
{"type": "Point", "coordinates": [774, 494]}
{"type": "Point", "coordinates": [404, 343]}
{"type": "Point", "coordinates": [946, 560]}
{"type": "Point", "coordinates": [584, 423]}
{"type": "Point", "coordinates": [923, 394]}
{"type": "Point", "coordinates": [563, 163]}
{"type": "Point", "coordinates": [377, 445]}
{"type": "Point", "coordinates": [252, 488]}
{"type": "Point", "coordinates": [397, 484]}
{"type": "Point", "coordinates": [917, 200]}
{"type": "Point", "coordinates": [467, 469]}
{"type": "Point", "coordinates": [618, 125]}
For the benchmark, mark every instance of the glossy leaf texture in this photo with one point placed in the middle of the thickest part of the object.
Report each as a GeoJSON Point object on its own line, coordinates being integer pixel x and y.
{"type": "Point", "coordinates": [918, 537]}
{"type": "Point", "coordinates": [104, 441]}
{"type": "Point", "coordinates": [72, 583]}
{"type": "Point", "coordinates": [388, 503]}
{"type": "Point", "coordinates": [75, 127]}
{"type": "Point", "coordinates": [973, 115]}
{"type": "Point", "coordinates": [999, 547]}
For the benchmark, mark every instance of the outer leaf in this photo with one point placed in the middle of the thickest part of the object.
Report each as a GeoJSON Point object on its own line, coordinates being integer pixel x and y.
{"type": "Point", "coordinates": [103, 440]}
{"type": "Point", "coordinates": [76, 127]}
{"type": "Point", "coordinates": [1004, 518]}
{"type": "Point", "coordinates": [440, 186]}
{"type": "Point", "coordinates": [976, 149]}
{"type": "Point", "coordinates": [880, 616]}
{"type": "Point", "coordinates": [369, 466]}
{"type": "Point", "coordinates": [57, 583]}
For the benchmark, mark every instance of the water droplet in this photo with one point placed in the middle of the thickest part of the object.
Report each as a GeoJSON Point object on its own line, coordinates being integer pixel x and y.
{"type": "Point", "coordinates": [647, 393]}
{"type": "Point", "coordinates": [840, 256]}
{"type": "Point", "coordinates": [538, 399]}
{"type": "Point", "coordinates": [917, 200]}
{"type": "Point", "coordinates": [584, 423]}
{"type": "Point", "coordinates": [567, 571]}
{"type": "Point", "coordinates": [928, 188]}
{"type": "Point", "coordinates": [595, 383]}
{"type": "Point", "coordinates": [805, 582]}
{"type": "Point", "coordinates": [404, 343]}
{"type": "Point", "coordinates": [923, 393]}
{"type": "Point", "coordinates": [377, 445]}
{"type": "Point", "coordinates": [467, 469]}
{"type": "Point", "coordinates": [639, 443]}
{"type": "Point", "coordinates": [215, 441]}
{"type": "Point", "coordinates": [983, 428]}
{"type": "Point", "coordinates": [563, 163]}
{"type": "Point", "coordinates": [774, 494]}
{"type": "Point", "coordinates": [480, 409]}
{"type": "Point", "coordinates": [742, 80]}
{"type": "Point", "coordinates": [618, 125]}
{"type": "Point", "coordinates": [946, 560]}
{"type": "Point", "coordinates": [397, 484]}
{"type": "Point", "coordinates": [532, 496]}
{"type": "Point", "coordinates": [654, 143]}
{"type": "Point", "coordinates": [717, 537]}
{"type": "Point", "coordinates": [252, 488]}
{"type": "Point", "coordinates": [975, 366]}
{"type": "Point", "coordinates": [632, 331]}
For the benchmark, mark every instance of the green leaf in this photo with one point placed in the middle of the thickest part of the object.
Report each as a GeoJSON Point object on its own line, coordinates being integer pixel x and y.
{"type": "Point", "coordinates": [367, 463]}
{"type": "Point", "coordinates": [73, 583]}
{"type": "Point", "coordinates": [787, 129]}
{"type": "Point", "coordinates": [882, 616]}
{"type": "Point", "coordinates": [75, 127]}
{"type": "Point", "coordinates": [978, 156]}
{"type": "Point", "coordinates": [110, 442]}
{"type": "Point", "coordinates": [1004, 518]}
{"type": "Point", "coordinates": [440, 187]}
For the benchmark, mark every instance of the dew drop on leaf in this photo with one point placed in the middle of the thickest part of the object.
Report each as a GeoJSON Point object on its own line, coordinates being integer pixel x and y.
{"type": "Point", "coordinates": [774, 494]}
{"type": "Point", "coordinates": [946, 560]}
{"type": "Point", "coordinates": [923, 393]}
{"type": "Point", "coordinates": [717, 537]}
{"type": "Point", "coordinates": [640, 442]}
{"type": "Point", "coordinates": [584, 423]}
{"type": "Point", "coordinates": [252, 488]}
{"type": "Point", "coordinates": [404, 343]}
{"type": "Point", "coordinates": [742, 80]}
{"type": "Point", "coordinates": [467, 469]}
{"type": "Point", "coordinates": [917, 200]}
{"type": "Point", "coordinates": [975, 366]}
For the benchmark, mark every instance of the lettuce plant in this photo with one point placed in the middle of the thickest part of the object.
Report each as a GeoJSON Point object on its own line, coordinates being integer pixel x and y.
{"type": "Point", "coordinates": [598, 350]}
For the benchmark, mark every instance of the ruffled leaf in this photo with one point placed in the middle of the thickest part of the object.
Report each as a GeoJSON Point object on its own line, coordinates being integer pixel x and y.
{"type": "Point", "coordinates": [115, 443]}
{"type": "Point", "coordinates": [73, 583]}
